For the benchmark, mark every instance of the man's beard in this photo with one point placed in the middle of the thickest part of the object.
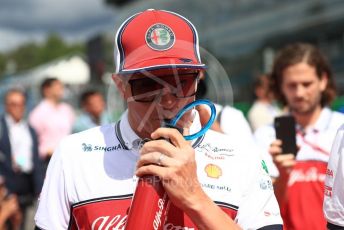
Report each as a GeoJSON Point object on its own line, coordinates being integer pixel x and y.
{"type": "Point", "coordinates": [308, 110]}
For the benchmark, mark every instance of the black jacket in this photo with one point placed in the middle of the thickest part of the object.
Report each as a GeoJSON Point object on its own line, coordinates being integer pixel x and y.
{"type": "Point", "coordinates": [23, 184]}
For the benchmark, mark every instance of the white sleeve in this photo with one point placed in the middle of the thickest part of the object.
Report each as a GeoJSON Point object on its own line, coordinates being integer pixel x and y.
{"type": "Point", "coordinates": [53, 207]}
{"type": "Point", "coordinates": [259, 207]}
{"type": "Point", "coordinates": [334, 182]}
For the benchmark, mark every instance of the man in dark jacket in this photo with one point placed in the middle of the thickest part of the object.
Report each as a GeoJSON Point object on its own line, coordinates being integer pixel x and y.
{"type": "Point", "coordinates": [19, 160]}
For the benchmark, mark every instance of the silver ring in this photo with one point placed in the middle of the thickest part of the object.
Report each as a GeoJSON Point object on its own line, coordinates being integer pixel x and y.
{"type": "Point", "coordinates": [159, 161]}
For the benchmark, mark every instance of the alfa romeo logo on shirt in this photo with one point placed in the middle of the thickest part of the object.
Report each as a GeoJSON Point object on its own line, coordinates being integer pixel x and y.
{"type": "Point", "coordinates": [160, 37]}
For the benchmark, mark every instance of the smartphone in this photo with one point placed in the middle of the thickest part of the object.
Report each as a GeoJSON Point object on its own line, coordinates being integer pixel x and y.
{"type": "Point", "coordinates": [285, 131]}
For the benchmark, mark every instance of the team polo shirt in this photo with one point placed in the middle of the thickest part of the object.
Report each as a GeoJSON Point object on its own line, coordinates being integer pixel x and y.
{"type": "Point", "coordinates": [305, 188]}
{"type": "Point", "coordinates": [90, 182]}
{"type": "Point", "coordinates": [334, 183]}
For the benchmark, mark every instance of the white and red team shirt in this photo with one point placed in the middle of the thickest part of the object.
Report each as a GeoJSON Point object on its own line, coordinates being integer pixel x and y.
{"type": "Point", "coordinates": [334, 183]}
{"type": "Point", "coordinates": [305, 189]}
{"type": "Point", "coordinates": [90, 182]}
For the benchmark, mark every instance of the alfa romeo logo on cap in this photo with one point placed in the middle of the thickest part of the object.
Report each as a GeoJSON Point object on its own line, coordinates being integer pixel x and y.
{"type": "Point", "coordinates": [160, 37]}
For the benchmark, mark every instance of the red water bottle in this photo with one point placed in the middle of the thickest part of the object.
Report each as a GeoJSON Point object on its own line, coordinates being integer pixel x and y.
{"type": "Point", "coordinates": [150, 204]}
{"type": "Point", "coordinates": [149, 207]}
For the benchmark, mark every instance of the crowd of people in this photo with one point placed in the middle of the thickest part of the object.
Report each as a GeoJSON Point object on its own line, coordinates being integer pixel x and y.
{"type": "Point", "coordinates": [26, 145]}
{"type": "Point", "coordinates": [236, 176]}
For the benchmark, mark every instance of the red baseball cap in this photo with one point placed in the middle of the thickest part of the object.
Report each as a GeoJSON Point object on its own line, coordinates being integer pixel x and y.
{"type": "Point", "coordinates": [156, 39]}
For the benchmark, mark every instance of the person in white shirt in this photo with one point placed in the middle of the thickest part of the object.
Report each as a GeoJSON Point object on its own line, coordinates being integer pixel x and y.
{"type": "Point", "coordinates": [229, 120]}
{"type": "Point", "coordinates": [20, 164]}
{"type": "Point", "coordinates": [212, 183]}
{"type": "Point", "coordinates": [264, 109]}
{"type": "Point", "coordinates": [334, 184]}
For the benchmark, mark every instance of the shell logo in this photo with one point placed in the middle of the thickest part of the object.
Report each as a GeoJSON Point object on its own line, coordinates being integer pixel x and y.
{"type": "Point", "coordinates": [213, 171]}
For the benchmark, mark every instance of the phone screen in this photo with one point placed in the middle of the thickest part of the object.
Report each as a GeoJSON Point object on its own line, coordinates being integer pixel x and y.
{"type": "Point", "coordinates": [285, 131]}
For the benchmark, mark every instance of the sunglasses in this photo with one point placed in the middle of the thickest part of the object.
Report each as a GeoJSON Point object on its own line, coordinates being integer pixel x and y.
{"type": "Point", "coordinates": [147, 89]}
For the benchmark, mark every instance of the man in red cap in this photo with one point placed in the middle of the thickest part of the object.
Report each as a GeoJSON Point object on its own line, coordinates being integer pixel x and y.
{"type": "Point", "coordinates": [212, 183]}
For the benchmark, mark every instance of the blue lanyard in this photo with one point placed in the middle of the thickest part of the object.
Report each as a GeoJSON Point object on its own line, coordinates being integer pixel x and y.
{"type": "Point", "coordinates": [189, 106]}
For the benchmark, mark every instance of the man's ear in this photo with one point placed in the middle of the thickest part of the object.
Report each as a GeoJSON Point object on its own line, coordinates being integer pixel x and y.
{"type": "Point", "coordinates": [323, 82]}
{"type": "Point", "coordinates": [119, 83]}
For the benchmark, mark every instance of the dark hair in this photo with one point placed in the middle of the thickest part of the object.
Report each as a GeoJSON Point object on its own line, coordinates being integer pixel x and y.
{"type": "Point", "coordinates": [261, 81]}
{"type": "Point", "coordinates": [87, 94]}
{"type": "Point", "coordinates": [201, 89]}
{"type": "Point", "coordinates": [47, 83]}
{"type": "Point", "coordinates": [297, 53]}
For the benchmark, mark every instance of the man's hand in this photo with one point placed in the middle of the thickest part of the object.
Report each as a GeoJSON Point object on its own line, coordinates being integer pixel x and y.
{"type": "Point", "coordinates": [9, 209]}
{"type": "Point", "coordinates": [177, 168]}
{"type": "Point", "coordinates": [284, 162]}
{"type": "Point", "coordinates": [178, 171]}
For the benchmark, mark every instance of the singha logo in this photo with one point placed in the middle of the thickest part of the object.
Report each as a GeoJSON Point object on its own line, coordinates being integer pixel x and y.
{"type": "Point", "coordinates": [86, 148]}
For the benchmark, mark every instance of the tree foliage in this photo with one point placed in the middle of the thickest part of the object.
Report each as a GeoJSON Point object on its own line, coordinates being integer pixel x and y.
{"type": "Point", "coordinates": [31, 54]}
{"type": "Point", "coordinates": [2, 63]}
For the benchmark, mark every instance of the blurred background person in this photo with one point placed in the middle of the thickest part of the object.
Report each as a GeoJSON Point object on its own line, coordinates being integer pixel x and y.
{"type": "Point", "coordinates": [264, 109]}
{"type": "Point", "coordinates": [20, 164]}
{"type": "Point", "coordinates": [51, 118]}
{"type": "Point", "coordinates": [229, 120]}
{"type": "Point", "coordinates": [93, 111]}
{"type": "Point", "coordinates": [303, 81]}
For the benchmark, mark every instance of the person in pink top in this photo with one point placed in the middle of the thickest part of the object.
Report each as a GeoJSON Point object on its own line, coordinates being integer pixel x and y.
{"type": "Point", "coordinates": [51, 118]}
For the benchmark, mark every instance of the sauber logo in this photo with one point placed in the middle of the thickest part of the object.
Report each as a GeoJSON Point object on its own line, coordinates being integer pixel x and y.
{"type": "Point", "coordinates": [214, 152]}
{"type": "Point", "coordinates": [213, 171]}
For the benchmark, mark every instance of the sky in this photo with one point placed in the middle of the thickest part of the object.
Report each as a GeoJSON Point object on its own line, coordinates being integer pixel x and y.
{"type": "Point", "coordinates": [32, 20]}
